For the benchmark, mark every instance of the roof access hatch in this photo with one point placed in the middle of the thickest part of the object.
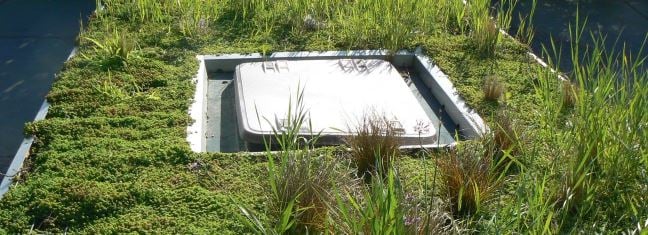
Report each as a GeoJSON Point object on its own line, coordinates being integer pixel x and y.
{"type": "Point", "coordinates": [337, 95]}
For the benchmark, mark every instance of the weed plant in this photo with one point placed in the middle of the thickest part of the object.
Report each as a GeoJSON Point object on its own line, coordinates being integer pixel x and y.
{"type": "Point", "coordinates": [505, 133]}
{"type": "Point", "coordinates": [505, 145]}
{"type": "Point", "coordinates": [110, 90]}
{"type": "Point", "coordinates": [383, 207]}
{"type": "Point", "coordinates": [530, 207]}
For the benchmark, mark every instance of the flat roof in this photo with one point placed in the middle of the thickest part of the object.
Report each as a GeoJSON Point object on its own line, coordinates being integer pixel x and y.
{"type": "Point", "coordinates": [338, 94]}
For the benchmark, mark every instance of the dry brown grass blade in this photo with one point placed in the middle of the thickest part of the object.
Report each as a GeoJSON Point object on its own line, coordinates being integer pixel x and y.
{"type": "Point", "coordinates": [469, 179]}
{"type": "Point", "coordinates": [493, 88]}
{"type": "Point", "coordinates": [374, 145]}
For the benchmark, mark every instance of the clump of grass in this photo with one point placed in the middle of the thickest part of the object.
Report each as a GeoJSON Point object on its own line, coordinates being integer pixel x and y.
{"type": "Point", "coordinates": [374, 145]}
{"type": "Point", "coordinates": [399, 21]}
{"type": "Point", "coordinates": [197, 15]}
{"type": "Point", "coordinates": [569, 93]}
{"type": "Point", "coordinates": [383, 207]}
{"type": "Point", "coordinates": [485, 36]}
{"type": "Point", "coordinates": [357, 24]}
{"type": "Point", "coordinates": [525, 31]}
{"type": "Point", "coordinates": [306, 179]}
{"type": "Point", "coordinates": [115, 49]}
{"type": "Point", "coordinates": [110, 90]}
{"type": "Point", "coordinates": [378, 209]}
{"type": "Point", "coordinates": [602, 166]}
{"type": "Point", "coordinates": [530, 210]}
{"type": "Point", "coordinates": [493, 88]}
{"type": "Point", "coordinates": [188, 16]}
{"type": "Point", "coordinates": [504, 135]}
{"type": "Point", "coordinates": [300, 182]}
{"type": "Point", "coordinates": [468, 177]}
{"type": "Point", "coordinates": [484, 33]}
{"type": "Point", "coordinates": [505, 13]}
{"type": "Point", "coordinates": [429, 217]}
{"type": "Point", "coordinates": [454, 15]}
{"type": "Point", "coordinates": [506, 143]}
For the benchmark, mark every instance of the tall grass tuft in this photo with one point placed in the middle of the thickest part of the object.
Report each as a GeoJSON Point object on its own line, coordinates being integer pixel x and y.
{"type": "Point", "coordinates": [357, 24]}
{"type": "Point", "coordinates": [117, 45]}
{"type": "Point", "coordinates": [493, 88]}
{"type": "Point", "coordinates": [484, 33]}
{"type": "Point", "coordinates": [383, 207]}
{"type": "Point", "coordinates": [111, 50]}
{"type": "Point", "coordinates": [469, 178]}
{"type": "Point", "coordinates": [601, 142]}
{"type": "Point", "coordinates": [300, 181]}
{"type": "Point", "coordinates": [454, 15]}
{"type": "Point", "coordinates": [506, 143]}
{"type": "Point", "coordinates": [569, 93]}
{"type": "Point", "coordinates": [190, 17]}
{"type": "Point", "coordinates": [379, 209]}
{"type": "Point", "coordinates": [385, 24]}
{"type": "Point", "coordinates": [525, 31]}
{"type": "Point", "coordinates": [531, 208]}
{"type": "Point", "coordinates": [429, 217]}
{"type": "Point", "coordinates": [505, 134]}
{"type": "Point", "coordinates": [505, 14]}
{"type": "Point", "coordinates": [373, 146]}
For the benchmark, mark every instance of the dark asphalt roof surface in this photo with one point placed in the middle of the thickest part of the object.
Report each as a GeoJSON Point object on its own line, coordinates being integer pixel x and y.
{"type": "Point", "coordinates": [625, 19]}
{"type": "Point", "coordinates": [36, 37]}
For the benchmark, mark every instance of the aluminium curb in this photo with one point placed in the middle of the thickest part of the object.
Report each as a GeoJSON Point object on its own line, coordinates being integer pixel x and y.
{"type": "Point", "coordinates": [472, 125]}
{"type": "Point", "coordinates": [537, 58]}
{"type": "Point", "coordinates": [21, 154]}
{"type": "Point", "coordinates": [196, 131]}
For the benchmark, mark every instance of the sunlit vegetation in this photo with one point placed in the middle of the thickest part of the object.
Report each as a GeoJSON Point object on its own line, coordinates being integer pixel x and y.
{"type": "Point", "coordinates": [562, 156]}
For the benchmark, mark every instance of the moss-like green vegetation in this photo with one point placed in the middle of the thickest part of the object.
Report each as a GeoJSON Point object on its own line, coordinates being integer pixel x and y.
{"type": "Point", "coordinates": [111, 156]}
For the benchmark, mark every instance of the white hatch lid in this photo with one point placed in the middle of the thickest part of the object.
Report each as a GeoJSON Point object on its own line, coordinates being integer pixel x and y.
{"type": "Point", "coordinates": [337, 95]}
